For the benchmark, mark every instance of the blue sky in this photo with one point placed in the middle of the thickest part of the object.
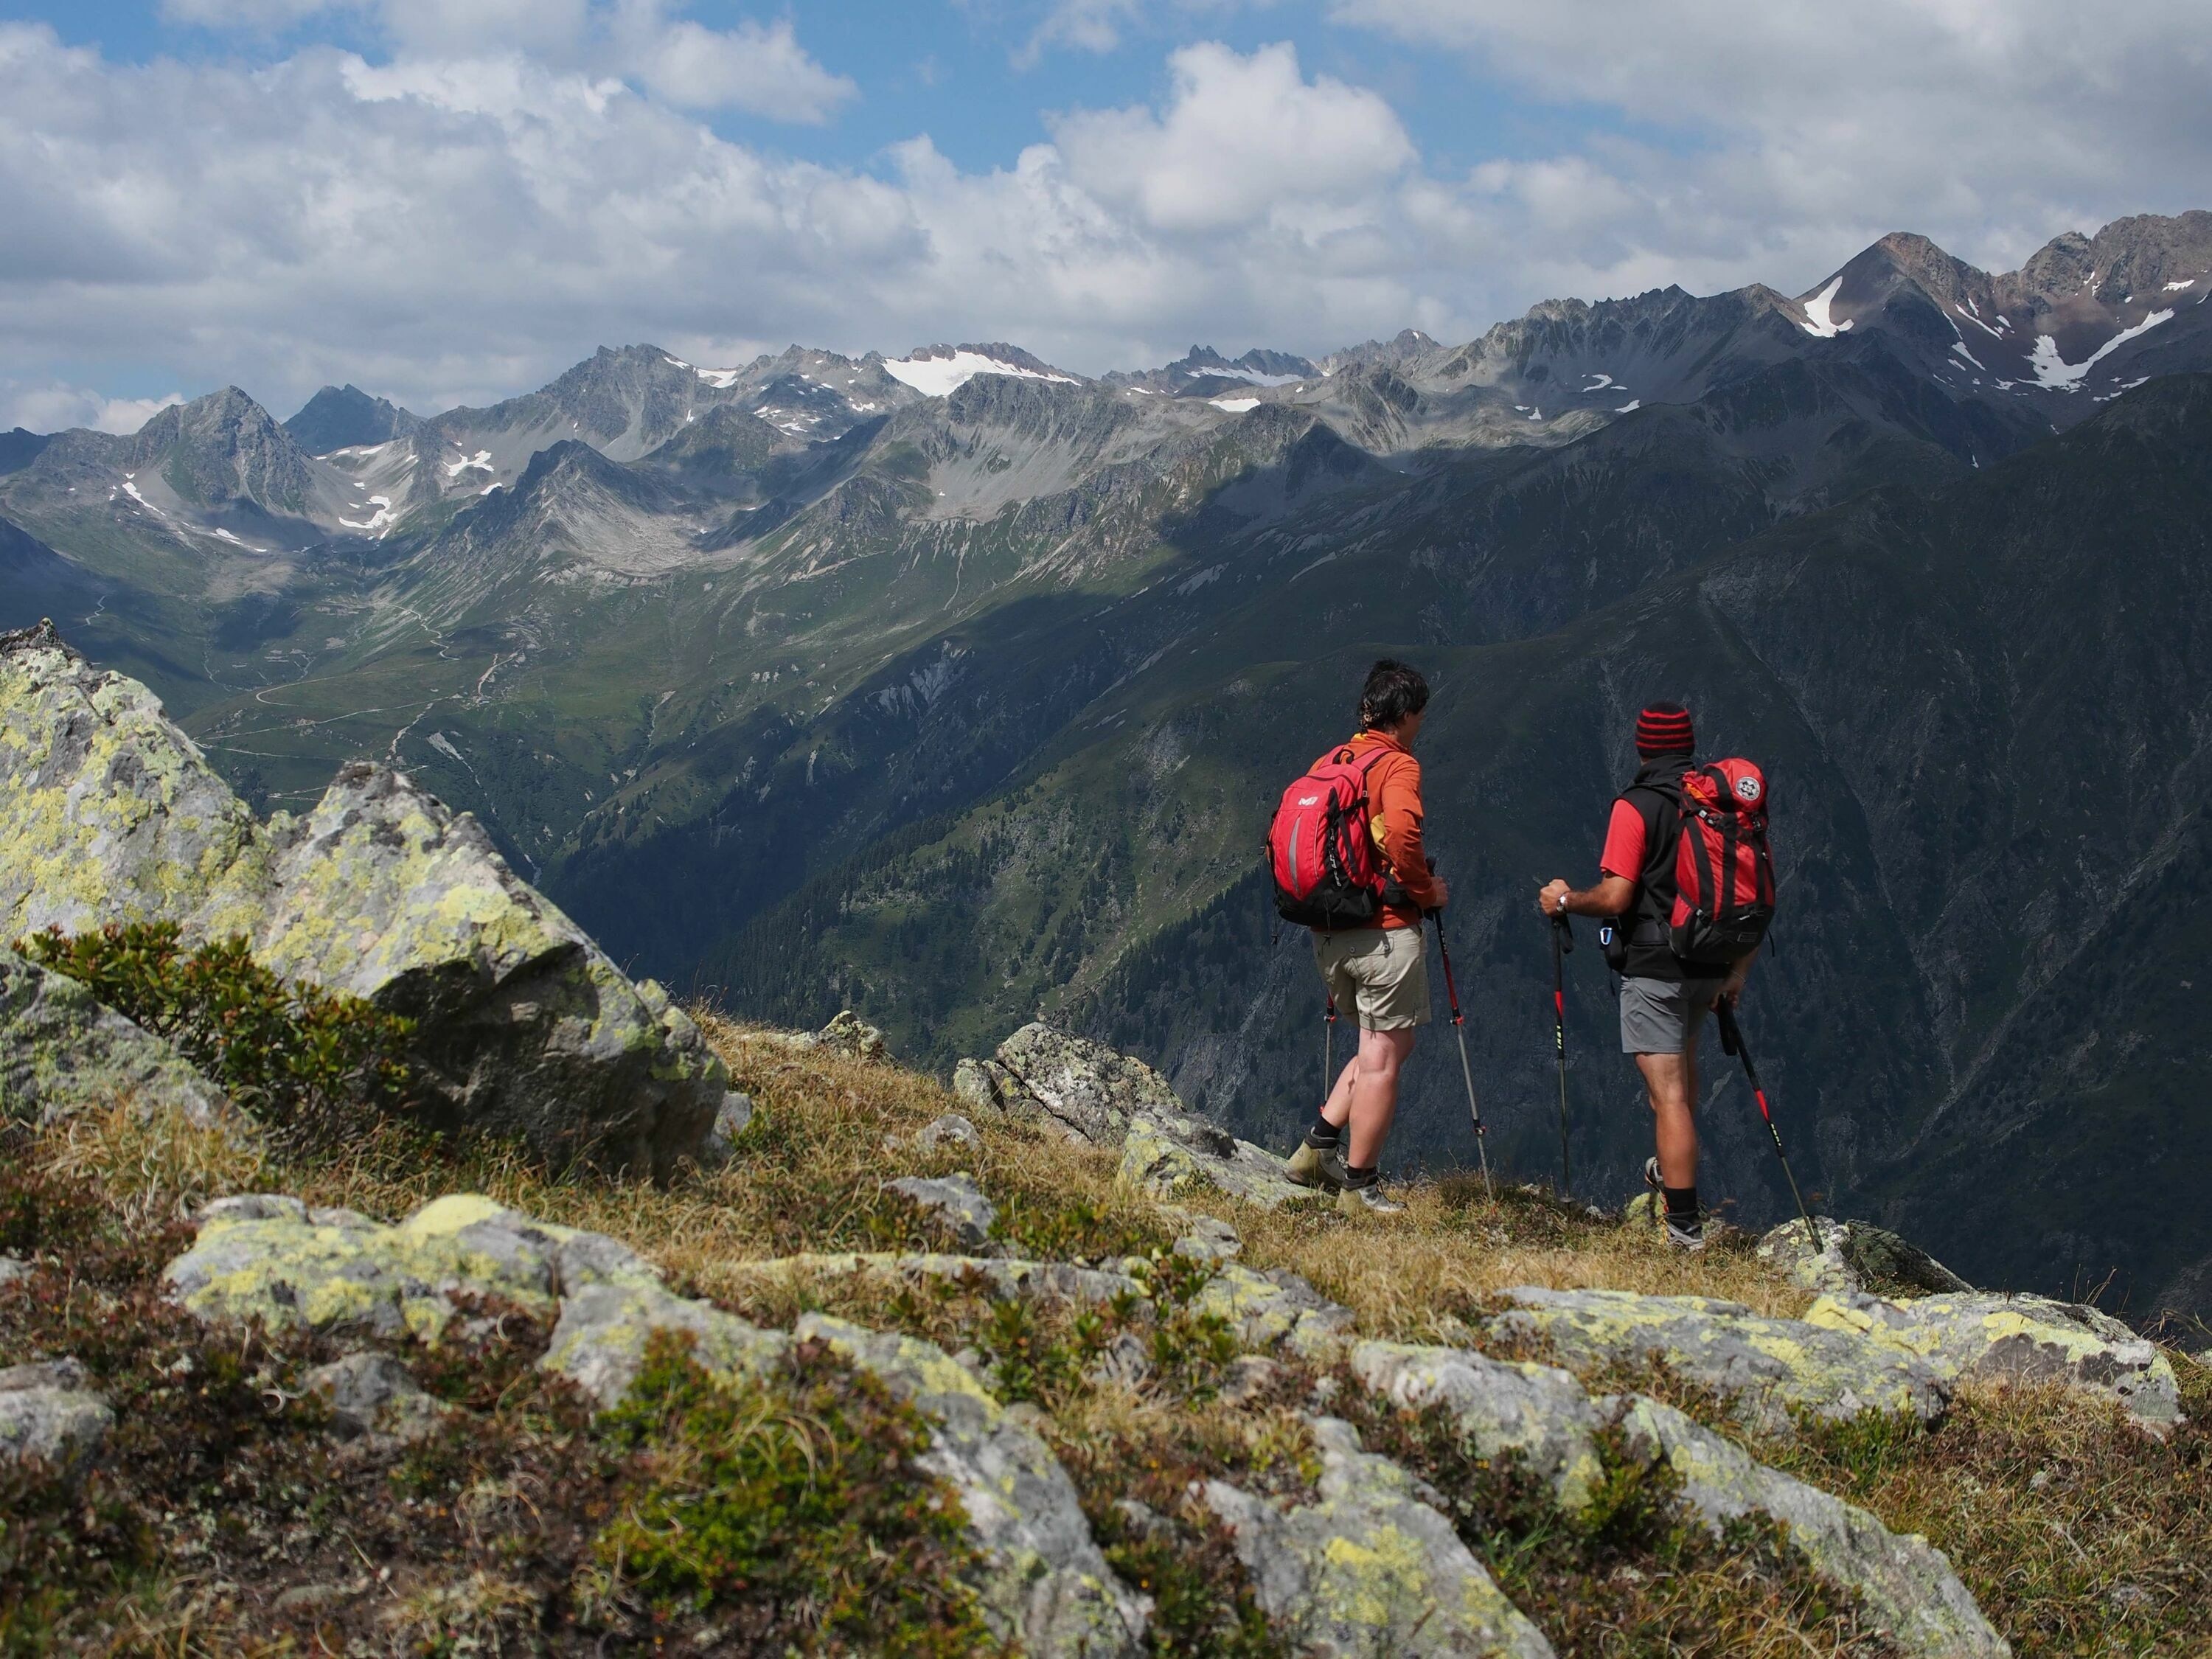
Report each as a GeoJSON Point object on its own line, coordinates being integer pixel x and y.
{"type": "Point", "coordinates": [449, 200]}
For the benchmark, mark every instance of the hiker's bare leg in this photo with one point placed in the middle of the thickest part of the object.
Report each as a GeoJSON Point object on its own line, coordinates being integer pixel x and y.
{"type": "Point", "coordinates": [1375, 1093]}
{"type": "Point", "coordinates": [1671, 1080]}
{"type": "Point", "coordinates": [1337, 1108]}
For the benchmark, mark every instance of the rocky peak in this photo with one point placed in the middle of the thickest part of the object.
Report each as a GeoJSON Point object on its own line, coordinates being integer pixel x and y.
{"type": "Point", "coordinates": [346, 417]}
{"type": "Point", "coordinates": [224, 448]}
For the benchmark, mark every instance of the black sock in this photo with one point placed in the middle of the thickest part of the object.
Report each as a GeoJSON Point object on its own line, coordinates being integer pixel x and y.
{"type": "Point", "coordinates": [1683, 1207]}
{"type": "Point", "coordinates": [1324, 1133]}
{"type": "Point", "coordinates": [1359, 1177]}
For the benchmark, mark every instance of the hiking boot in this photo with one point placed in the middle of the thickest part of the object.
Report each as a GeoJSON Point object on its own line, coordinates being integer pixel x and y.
{"type": "Point", "coordinates": [1367, 1199]}
{"type": "Point", "coordinates": [1305, 1168]}
{"type": "Point", "coordinates": [1691, 1238]}
{"type": "Point", "coordinates": [1355, 1195]}
{"type": "Point", "coordinates": [1651, 1177]}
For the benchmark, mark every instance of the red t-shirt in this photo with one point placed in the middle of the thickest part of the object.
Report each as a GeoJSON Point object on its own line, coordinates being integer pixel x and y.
{"type": "Point", "coordinates": [1625, 849]}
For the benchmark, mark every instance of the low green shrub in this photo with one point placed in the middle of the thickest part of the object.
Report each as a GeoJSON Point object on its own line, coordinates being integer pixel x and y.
{"type": "Point", "coordinates": [792, 1509]}
{"type": "Point", "coordinates": [313, 1066]}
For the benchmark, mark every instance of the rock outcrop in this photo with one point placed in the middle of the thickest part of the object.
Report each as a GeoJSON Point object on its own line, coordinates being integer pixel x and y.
{"type": "Point", "coordinates": [1855, 1256]}
{"type": "Point", "coordinates": [1087, 1090]}
{"type": "Point", "coordinates": [62, 1051]}
{"type": "Point", "coordinates": [273, 1260]}
{"type": "Point", "coordinates": [1541, 1418]}
{"type": "Point", "coordinates": [2030, 1339]}
{"type": "Point", "coordinates": [953, 1202]}
{"type": "Point", "coordinates": [1368, 1569]}
{"type": "Point", "coordinates": [524, 1026]}
{"type": "Point", "coordinates": [1765, 1368]}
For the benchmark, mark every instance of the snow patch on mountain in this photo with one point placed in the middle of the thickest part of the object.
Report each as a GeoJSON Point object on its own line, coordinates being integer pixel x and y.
{"type": "Point", "coordinates": [479, 462]}
{"type": "Point", "coordinates": [1818, 322]}
{"type": "Point", "coordinates": [2053, 371]}
{"type": "Point", "coordinates": [378, 522]}
{"type": "Point", "coordinates": [2176, 288]}
{"type": "Point", "coordinates": [1235, 405]}
{"type": "Point", "coordinates": [939, 377]}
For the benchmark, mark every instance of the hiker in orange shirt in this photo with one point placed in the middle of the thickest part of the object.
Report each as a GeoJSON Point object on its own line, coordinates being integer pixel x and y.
{"type": "Point", "coordinates": [1377, 970]}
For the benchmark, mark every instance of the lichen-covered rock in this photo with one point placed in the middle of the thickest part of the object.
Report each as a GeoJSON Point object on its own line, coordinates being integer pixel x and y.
{"type": "Point", "coordinates": [1854, 1255]}
{"type": "Point", "coordinates": [1537, 1415]}
{"type": "Point", "coordinates": [108, 812]}
{"type": "Point", "coordinates": [731, 1119]}
{"type": "Point", "coordinates": [599, 1341]}
{"type": "Point", "coordinates": [990, 1091]}
{"type": "Point", "coordinates": [1368, 1569]}
{"type": "Point", "coordinates": [1085, 1085]}
{"type": "Point", "coordinates": [374, 1394]}
{"type": "Point", "coordinates": [62, 1050]}
{"type": "Point", "coordinates": [1765, 1367]}
{"type": "Point", "coordinates": [955, 1202]}
{"type": "Point", "coordinates": [525, 1026]}
{"type": "Point", "coordinates": [272, 1259]}
{"type": "Point", "coordinates": [2016, 1339]}
{"type": "Point", "coordinates": [1172, 1155]}
{"type": "Point", "coordinates": [1541, 1418]}
{"type": "Point", "coordinates": [49, 1415]}
{"type": "Point", "coordinates": [852, 1038]}
{"type": "Point", "coordinates": [1047, 1587]}
{"type": "Point", "coordinates": [1206, 1238]}
{"type": "Point", "coordinates": [1004, 1280]}
{"type": "Point", "coordinates": [1902, 1582]}
{"type": "Point", "coordinates": [1275, 1309]}
{"type": "Point", "coordinates": [949, 1130]}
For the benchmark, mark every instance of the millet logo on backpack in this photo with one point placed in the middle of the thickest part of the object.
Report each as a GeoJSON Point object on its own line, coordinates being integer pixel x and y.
{"type": "Point", "coordinates": [1747, 786]}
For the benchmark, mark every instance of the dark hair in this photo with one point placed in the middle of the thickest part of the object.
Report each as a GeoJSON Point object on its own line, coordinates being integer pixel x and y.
{"type": "Point", "coordinates": [1393, 690]}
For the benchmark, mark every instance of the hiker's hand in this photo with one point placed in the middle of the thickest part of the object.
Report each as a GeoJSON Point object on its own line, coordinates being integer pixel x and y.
{"type": "Point", "coordinates": [1548, 900]}
{"type": "Point", "coordinates": [1440, 893]}
{"type": "Point", "coordinates": [1731, 992]}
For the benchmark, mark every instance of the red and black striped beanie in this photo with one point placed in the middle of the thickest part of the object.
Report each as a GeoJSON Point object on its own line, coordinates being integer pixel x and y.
{"type": "Point", "coordinates": [1664, 729]}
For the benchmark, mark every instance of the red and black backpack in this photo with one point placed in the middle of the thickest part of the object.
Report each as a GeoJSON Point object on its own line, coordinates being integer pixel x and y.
{"type": "Point", "coordinates": [1723, 872]}
{"type": "Point", "coordinates": [1707, 896]}
{"type": "Point", "coordinates": [1320, 851]}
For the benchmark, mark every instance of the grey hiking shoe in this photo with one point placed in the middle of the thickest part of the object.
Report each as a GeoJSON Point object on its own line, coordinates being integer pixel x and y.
{"type": "Point", "coordinates": [1305, 1166]}
{"type": "Point", "coordinates": [1691, 1238]}
{"type": "Point", "coordinates": [1651, 1177]}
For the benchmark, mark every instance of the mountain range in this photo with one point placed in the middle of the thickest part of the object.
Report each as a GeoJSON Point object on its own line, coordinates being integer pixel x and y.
{"type": "Point", "coordinates": [955, 685]}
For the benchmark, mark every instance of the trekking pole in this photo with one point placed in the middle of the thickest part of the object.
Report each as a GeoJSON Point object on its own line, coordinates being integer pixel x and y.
{"type": "Point", "coordinates": [1732, 1042]}
{"type": "Point", "coordinates": [1466, 1071]}
{"type": "Point", "coordinates": [1562, 940]}
{"type": "Point", "coordinates": [1328, 1050]}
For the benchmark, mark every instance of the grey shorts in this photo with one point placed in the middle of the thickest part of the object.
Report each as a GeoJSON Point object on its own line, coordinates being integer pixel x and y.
{"type": "Point", "coordinates": [1379, 974]}
{"type": "Point", "coordinates": [1661, 1017]}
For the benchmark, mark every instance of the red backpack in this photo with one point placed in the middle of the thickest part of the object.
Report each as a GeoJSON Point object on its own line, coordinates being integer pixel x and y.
{"type": "Point", "coordinates": [1322, 853]}
{"type": "Point", "coordinates": [1724, 874]}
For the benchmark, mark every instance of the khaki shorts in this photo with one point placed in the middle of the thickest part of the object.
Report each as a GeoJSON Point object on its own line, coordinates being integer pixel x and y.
{"type": "Point", "coordinates": [1381, 974]}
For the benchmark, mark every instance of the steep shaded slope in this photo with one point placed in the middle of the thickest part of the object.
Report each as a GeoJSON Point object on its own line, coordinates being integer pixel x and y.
{"type": "Point", "coordinates": [1982, 712]}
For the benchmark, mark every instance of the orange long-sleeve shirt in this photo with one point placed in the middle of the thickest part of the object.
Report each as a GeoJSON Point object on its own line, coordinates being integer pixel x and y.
{"type": "Point", "coordinates": [1393, 794]}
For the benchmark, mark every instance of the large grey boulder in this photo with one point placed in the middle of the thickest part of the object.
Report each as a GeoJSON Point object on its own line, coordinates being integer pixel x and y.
{"type": "Point", "coordinates": [62, 1051]}
{"type": "Point", "coordinates": [1274, 1307]}
{"type": "Point", "coordinates": [526, 1027]}
{"type": "Point", "coordinates": [1048, 1586]}
{"type": "Point", "coordinates": [1539, 1417]}
{"type": "Point", "coordinates": [1087, 1090]}
{"type": "Point", "coordinates": [2016, 1339]}
{"type": "Point", "coordinates": [1841, 1256]}
{"type": "Point", "coordinates": [109, 813]}
{"type": "Point", "coordinates": [48, 1415]}
{"type": "Point", "coordinates": [1765, 1368]}
{"type": "Point", "coordinates": [1370, 1570]}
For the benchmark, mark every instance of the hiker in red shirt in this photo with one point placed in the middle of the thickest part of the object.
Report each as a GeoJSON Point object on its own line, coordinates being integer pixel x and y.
{"type": "Point", "coordinates": [1379, 973]}
{"type": "Point", "coordinates": [1664, 1000]}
